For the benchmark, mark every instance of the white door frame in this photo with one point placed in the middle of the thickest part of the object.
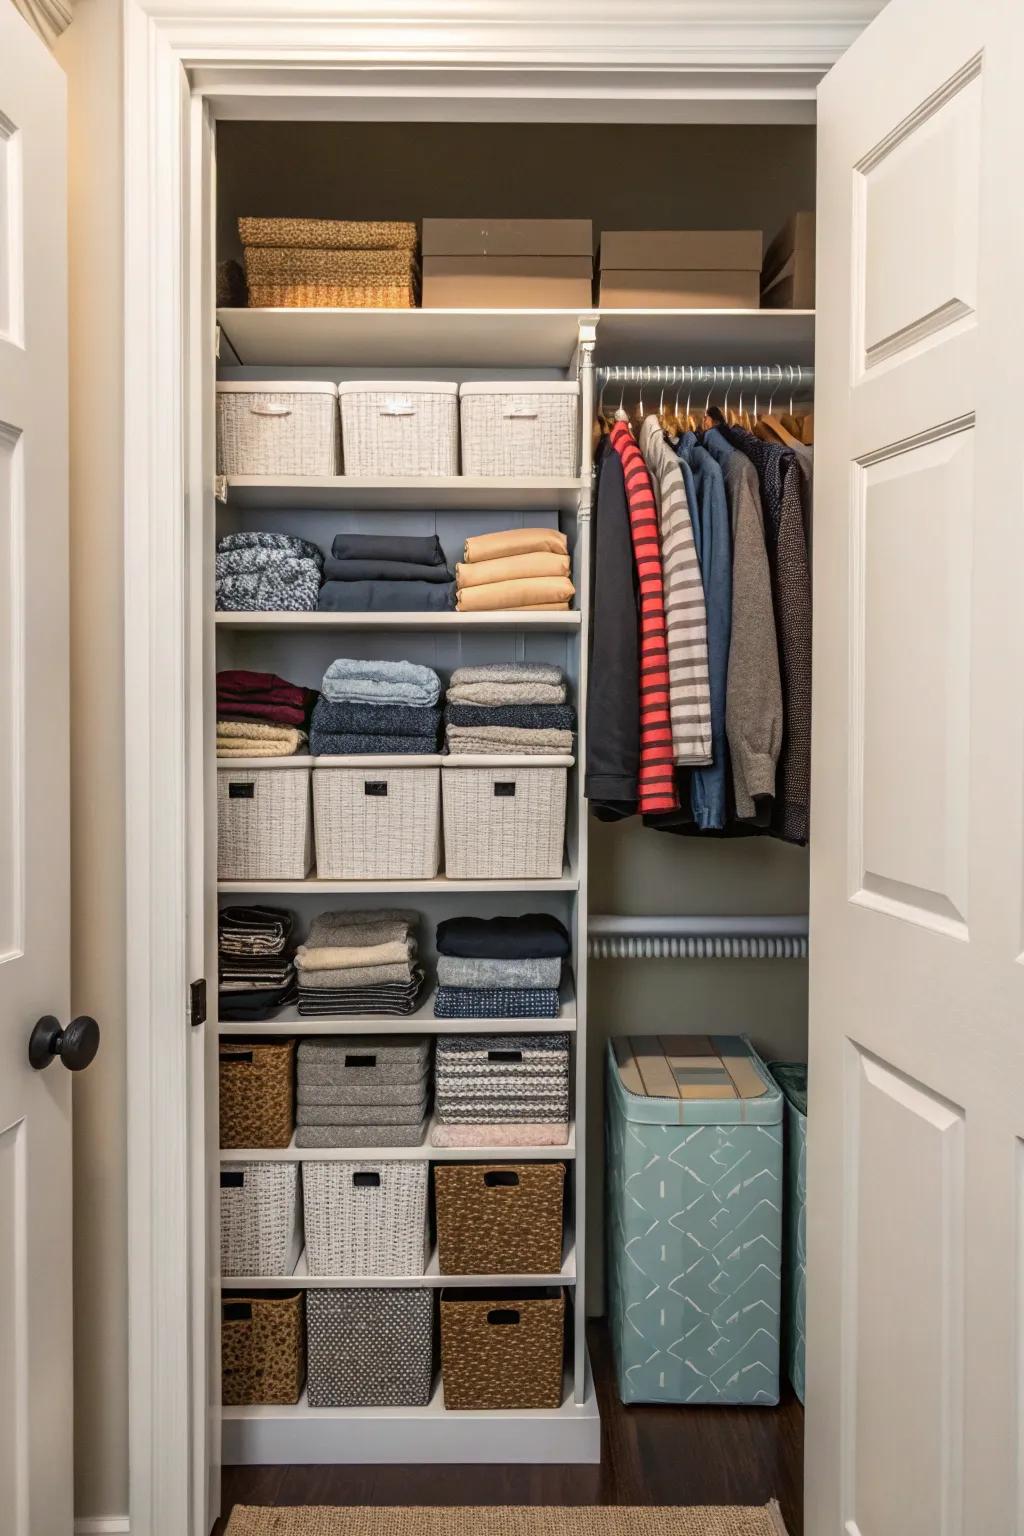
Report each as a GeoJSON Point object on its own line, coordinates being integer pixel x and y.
{"type": "Point", "coordinates": [728, 60]}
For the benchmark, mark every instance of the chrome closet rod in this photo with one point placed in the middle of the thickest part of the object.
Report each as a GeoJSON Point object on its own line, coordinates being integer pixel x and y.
{"type": "Point", "coordinates": [785, 376]}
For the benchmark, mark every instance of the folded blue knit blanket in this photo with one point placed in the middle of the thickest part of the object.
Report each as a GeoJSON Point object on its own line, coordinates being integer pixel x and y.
{"type": "Point", "coordinates": [380, 682]}
{"type": "Point", "coordinates": [529, 717]}
{"type": "Point", "coordinates": [283, 543]}
{"type": "Point", "coordinates": [337, 744]}
{"type": "Point", "coordinates": [376, 719]}
{"type": "Point", "coordinates": [283, 586]}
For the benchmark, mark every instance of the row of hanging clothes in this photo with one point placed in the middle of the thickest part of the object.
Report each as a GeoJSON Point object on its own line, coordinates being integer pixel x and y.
{"type": "Point", "coordinates": [699, 682]}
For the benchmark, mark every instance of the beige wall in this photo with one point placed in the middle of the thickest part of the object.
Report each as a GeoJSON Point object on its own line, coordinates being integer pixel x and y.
{"type": "Point", "coordinates": [90, 52]}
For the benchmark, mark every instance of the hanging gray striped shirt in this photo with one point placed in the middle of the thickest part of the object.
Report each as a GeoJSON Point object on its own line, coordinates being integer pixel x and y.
{"type": "Point", "coordinates": [685, 612]}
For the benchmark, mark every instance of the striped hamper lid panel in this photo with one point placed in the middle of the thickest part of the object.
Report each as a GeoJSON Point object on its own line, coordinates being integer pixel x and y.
{"type": "Point", "coordinates": [692, 1079]}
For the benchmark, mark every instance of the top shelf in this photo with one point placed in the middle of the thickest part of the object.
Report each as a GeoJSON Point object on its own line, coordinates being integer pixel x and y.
{"type": "Point", "coordinates": [509, 339]}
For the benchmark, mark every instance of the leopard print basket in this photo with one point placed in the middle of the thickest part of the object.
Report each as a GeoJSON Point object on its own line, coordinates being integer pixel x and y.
{"type": "Point", "coordinates": [502, 1350]}
{"type": "Point", "coordinates": [263, 1347]}
{"type": "Point", "coordinates": [257, 1093]}
{"type": "Point", "coordinates": [499, 1218]}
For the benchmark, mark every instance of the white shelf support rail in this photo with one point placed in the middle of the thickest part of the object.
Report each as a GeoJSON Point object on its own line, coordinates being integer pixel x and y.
{"type": "Point", "coordinates": [697, 938]}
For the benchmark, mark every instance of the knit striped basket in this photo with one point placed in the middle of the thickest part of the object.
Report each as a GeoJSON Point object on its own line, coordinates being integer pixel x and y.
{"type": "Point", "coordinates": [504, 822]}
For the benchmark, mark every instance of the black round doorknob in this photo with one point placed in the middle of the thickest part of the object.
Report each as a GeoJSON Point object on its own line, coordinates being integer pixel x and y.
{"type": "Point", "coordinates": [75, 1046]}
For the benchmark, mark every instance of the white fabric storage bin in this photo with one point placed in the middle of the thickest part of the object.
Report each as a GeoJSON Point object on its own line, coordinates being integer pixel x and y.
{"type": "Point", "coordinates": [366, 1218]}
{"type": "Point", "coordinates": [260, 1218]}
{"type": "Point", "coordinates": [277, 428]}
{"type": "Point", "coordinates": [504, 820]}
{"type": "Point", "coordinates": [264, 819]}
{"type": "Point", "coordinates": [520, 429]}
{"type": "Point", "coordinates": [399, 427]}
{"type": "Point", "coordinates": [377, 818]}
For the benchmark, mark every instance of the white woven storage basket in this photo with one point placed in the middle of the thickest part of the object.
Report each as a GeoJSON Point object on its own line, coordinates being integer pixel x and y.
{"type": "Point", "coordinates": [504, 821]}
{"type": "Point", "coordinates": [520, 429]}
{"type": "Point", "coordinates": [399, 427]}
{"type": "Point", "coordinates": [365, 1218]}
{"type": "Point", "coordinates": [377, 818]}
{"type": "Point", "coordinates": [277, 428]}
{"type": "Point", "coordinates": [260, 1218]}
{"type": "Point", "coordinates": [264, 820]}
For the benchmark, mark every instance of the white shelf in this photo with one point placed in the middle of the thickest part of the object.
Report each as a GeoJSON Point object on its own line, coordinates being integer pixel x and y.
{"type": "Point", "coordinates": [305, 493]}
{"type": "Point", "coordinates": [431, 1279]}
{"type": "Point", "coordinates": [300, 1435]}
{"type": "Point", "coordinates": [705, 336]}
{"type": "Point", "coordinates": [294, 1154]}
{"type": "Point", "coordinates": [567, 881]}
{"type": "Point", "coordinates": [507, 619]}
{"type": "Point", "coordinates": [402, 338]}
{"type": "Point", "coordinates": [288, 1021]}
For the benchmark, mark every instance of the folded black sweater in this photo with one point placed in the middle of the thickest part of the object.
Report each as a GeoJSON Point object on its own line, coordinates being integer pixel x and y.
{"type": "Point", "coordinates": [385, 570]}
{"type": "Point", "coordinates": [535, 936]}
{"type": "Point", "coordinates": [528, 717]}
{"type": "Point", "coordinates": [421, 549]}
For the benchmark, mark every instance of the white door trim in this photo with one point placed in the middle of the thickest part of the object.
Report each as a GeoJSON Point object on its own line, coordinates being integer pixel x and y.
{"type": "Point", "coordinates": [753, 56]}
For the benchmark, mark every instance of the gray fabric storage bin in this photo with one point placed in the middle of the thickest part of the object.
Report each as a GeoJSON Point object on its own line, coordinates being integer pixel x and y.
{"type": "Point", "coordinates": [360, 1135]}
{"type": "Point", "coordinates": [389, 1093]}
{"type": "Point", "coordinates": [370, 1348]}
{"type": "Point", "coordinates": [366, 1061]}
{"type": "Point", "coordinates": [361, 1114]}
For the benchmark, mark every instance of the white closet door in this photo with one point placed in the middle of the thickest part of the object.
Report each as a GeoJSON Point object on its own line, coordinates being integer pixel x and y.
{"type": "Point", "coordinates": [916, 1173]}
{"type": "Point", "coordinates": [35, 1106]}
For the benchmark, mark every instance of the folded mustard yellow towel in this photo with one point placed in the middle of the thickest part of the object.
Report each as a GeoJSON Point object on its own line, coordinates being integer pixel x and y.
{"type": "Point", "coordinates": [512, 568]}
{"type": "Point", "coordinates": [515, 594]}
{"type": "Point", "coordinates": [515, 541]}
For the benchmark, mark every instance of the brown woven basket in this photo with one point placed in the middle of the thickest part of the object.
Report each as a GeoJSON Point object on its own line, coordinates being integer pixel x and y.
{"type": "Point", "coordinates": [329, 234]}
{"type": "Point", "coordinates": [499, 1218]}
{"type": "Point", "coordinates": [263, 1347]}
{"type": "Point", "coordinates": [311, 278]}
{"type": "Point", "coordinates": [328, 296]}
{"type": "Point", "coordinates": [502, 1350]}
{"type": "Point", "coordinates": [257, 1093]}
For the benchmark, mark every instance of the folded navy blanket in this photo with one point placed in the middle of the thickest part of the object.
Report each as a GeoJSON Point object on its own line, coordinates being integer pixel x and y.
{"type": "Point", "coordinates": [338, 744]}
{"type": "Point", "coordinates": [387, 596]}
{"type": "Point", "coordinates": [496, 1003]}
{"type": "Point", "coordinates": [421, 549]}
{"type": "Point", "coordinates": [282, 543]}
{"type": "Point", "coordinates": [376, 719]}
{"type": "Point", "coordinates": [526, 717]}
{"type": "Point", "coordinates": [535, 936]}
{"type": "Point", "coordinates": [385, 570]}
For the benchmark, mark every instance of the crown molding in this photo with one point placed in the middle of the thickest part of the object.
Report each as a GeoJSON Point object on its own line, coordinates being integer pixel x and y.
{"type": "Point", "coordinates": [48, 18]}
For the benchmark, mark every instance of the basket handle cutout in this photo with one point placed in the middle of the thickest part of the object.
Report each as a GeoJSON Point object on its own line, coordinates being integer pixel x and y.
{"type": "Point", "coordinates": [238, 1311]}
{"type": "Point", "coordinates": [270, 410]}
{"type": "Point", "coordinates": [375, 786]}
{"type": "Point", "coordinates": [366, 1180]}
{"type": "Point", "coordinates": [505, 789]}
{"type": "Point", "coordinates": [232, 1179]}
{"type": "Point", "coordinates": [400, 407]}
{"type": "Point", "coordinates": [503, 1317]}
{"type": "Point", "coordinates": [513, 1056]}
{"type": "Point", "coordinates": [360, 1061]}
{"type": "Point", "coordinates": [242, 791]}
{"type": "Point", "coordinates": [501, 1178]}
{"type": "Point", "coordinates": [245, 1057]}
{"type": "Point", "coordinates": [521, 413]}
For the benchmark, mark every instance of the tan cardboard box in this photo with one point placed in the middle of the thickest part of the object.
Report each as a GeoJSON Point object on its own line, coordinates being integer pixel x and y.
{"type": "Point", "coordinates": [682, 250]}
{"type": "Point", "coordinates": [507, 282]}
{"type": "Point", "coordinates": [787, 281]}
{"type": "Point", "coordinates": [508, 237]}
{"type": "Point", "coordinates": [679, 290]}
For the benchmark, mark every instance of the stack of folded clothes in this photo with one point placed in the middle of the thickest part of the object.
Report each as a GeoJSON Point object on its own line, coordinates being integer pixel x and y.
{"type": "Point", "coordinates": [267, 572]}
{"type": "Point", "coordinates": [376, 707]}
{"type": "Point", "coordinates": [500, 967]}
{"type": "Point", "coordinates": [509, 707]}
{"type": "Point", "coordinates": [257, 972]}
{"type": "Point", "coordinates": [261, 715]}
{"type": "Point", "coordinates": [360, 1091]}
{"type": "Point", "coordinates": [520, 568]}
{"type": "Point", "coordinates": [359, 962]}
{"type": "Point", "coordinates": [501, 1091]}
{"type": "Point", "coordinates": [386, 573]}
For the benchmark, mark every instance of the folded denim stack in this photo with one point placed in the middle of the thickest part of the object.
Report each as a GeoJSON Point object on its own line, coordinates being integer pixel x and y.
{"type": "Point", "coordinates": [355, 963]}
{"type": "Point", "coordinates": [256, 967]}
{"type": "Point", "coordinates": [261, 715]}
{"type": "Point", "coordinates": [362, 1091]}
{"type": "Point", "coordinates": [386, 573]}
{"type": "Point", "coordinates": [500, 967]}
{"type": "Point", "coordinates": [518, 568]}
{"type": "Point", "coordinates": [509, 707]}
{"type": "Point", "coordinates": [267, 573]}
{"type": "Point", "coordinates": [501, 1090]}
{"type": "Point", "coordinates": [376, 707]}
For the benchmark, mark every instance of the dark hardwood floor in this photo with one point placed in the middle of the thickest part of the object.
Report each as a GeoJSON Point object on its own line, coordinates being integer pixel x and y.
{"type": "Point", "coordinates": [648, 1456]}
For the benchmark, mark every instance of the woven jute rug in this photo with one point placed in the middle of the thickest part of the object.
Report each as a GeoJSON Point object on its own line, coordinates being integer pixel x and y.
{"type": "Point", "coordinates": [520, 1520]}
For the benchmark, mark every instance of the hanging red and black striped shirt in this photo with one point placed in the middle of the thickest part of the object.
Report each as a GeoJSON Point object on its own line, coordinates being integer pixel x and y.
{"type": "Point", "coordinates": [657, 784]}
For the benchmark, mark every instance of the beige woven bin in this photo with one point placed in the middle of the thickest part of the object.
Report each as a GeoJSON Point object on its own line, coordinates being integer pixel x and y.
{"type": "Point", "coordinates": [505, 820]}
{"type": "Point", "coordinates": [330, 234]}
{"type": "Point", "coordinates": [399, 427]}
{"type": "Point", "coordinates": [277, 427]}
{"type": "Point", "coordinates": [499, 1218]}
{"type": "Point", "coordinates": [522, 430]}
{"type": "Point", "coordinates": [312, 278]}
{"type": "Point", "coordinates": [263, 1347]}
{"type": "Point", "coordinates": [502, 1349]}
{"type": "Point", "coordinates": [366, 1218]}
{"type": "Point", "coordinates": [260, 1218]}
{"type": "Point", "coordinates": [377, 818]}
{"type": "Point", "coordinates": [264, 819]}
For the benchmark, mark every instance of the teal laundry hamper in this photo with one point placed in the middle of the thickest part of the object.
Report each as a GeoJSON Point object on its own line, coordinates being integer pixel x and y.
{"type": "Point", "coordinates": [792, 1079]}
{"type": "Point", "coordinates": [694, 1220]}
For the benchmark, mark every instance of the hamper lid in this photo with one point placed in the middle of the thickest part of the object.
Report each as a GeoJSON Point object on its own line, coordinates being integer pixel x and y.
{"type": "Point", "coordinates": [276, 387]}
{"type": "Point", "coordinates": [693, 1079]}
{"type": "Point", "coordinates": [522, 387]}
{"type": "Point", "coordinates": [397, 387]}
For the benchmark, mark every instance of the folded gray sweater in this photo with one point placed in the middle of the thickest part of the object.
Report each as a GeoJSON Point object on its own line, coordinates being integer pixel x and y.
{"type": "Point", "coordinates": [456, 971]}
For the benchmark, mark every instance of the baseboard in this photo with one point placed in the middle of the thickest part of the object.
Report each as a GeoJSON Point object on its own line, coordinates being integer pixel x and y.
{"type": "Point", "coordinates": [102, 1525]}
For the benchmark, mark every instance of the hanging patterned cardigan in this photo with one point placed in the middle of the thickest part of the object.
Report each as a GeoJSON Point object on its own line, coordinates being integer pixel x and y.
{"type": "Point", "coordinates": [657, 785]}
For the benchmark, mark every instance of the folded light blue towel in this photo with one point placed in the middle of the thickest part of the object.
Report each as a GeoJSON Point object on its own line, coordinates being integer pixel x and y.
{"type": "Point", "coordinates": [349, 680]}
